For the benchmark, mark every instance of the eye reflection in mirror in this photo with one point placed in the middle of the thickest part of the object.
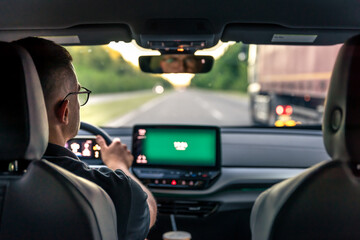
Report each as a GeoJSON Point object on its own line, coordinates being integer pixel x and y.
{"type": "Point", "coordinates": [176, 63]}
{"type": "Point", "coordinates": [180, 63]}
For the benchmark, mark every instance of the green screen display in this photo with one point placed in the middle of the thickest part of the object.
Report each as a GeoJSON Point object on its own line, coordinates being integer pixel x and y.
{"type": "Point", "coordinates": [188, 147]}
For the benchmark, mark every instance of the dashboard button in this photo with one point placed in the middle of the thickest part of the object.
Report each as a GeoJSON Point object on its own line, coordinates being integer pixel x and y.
{"type": "Point", "coordinates": [213, 174]}
{"type": "Point", "coordinates": [199, 183]}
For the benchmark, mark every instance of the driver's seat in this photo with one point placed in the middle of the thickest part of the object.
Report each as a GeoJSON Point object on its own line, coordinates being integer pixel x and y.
{"type": "Point", "coordinates": [39, 200]}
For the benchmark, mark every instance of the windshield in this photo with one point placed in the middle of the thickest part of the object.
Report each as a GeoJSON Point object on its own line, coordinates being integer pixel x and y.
{"type": "Point", "coordinates": [249, 85]}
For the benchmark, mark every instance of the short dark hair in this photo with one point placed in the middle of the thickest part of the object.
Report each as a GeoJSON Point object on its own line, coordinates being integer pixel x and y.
{"type": "Point", "coordinates": [50, 59]}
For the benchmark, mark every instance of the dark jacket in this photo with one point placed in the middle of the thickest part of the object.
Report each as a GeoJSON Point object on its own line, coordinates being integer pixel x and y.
{"type": "Point", "coordinates": [133, 217]}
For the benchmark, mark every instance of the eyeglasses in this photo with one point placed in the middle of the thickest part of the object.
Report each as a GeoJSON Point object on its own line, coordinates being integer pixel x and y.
{"type": "Point", "coordinates": [83, 95]}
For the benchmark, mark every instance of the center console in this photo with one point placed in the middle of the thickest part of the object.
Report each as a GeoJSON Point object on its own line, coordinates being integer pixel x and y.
{"type": "Point", "coordinates": [176, 157]}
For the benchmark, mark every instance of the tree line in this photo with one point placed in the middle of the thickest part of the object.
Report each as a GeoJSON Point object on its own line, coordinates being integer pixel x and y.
{"type": "Point", "coordinates": [104, 70]}
{"type": "Point", "coordinates": [229, 71]}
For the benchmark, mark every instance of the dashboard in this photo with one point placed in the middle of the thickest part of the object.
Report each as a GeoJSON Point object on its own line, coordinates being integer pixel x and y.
{"type": "Point", "coordinates": [247, 162]}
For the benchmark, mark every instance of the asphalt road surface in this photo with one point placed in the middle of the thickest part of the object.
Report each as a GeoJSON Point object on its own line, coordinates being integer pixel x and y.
{"type": "Point", "coordinates": [190, 107]}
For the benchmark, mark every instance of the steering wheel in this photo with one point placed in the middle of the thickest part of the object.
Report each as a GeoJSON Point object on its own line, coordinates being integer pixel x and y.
{"type": "Point", "coordinates": [96, 131]}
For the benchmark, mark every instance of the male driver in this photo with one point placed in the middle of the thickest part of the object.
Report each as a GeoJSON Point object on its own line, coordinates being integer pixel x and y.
{"type": "Point", "coordinates": [179, 63]}
{"type": "Point", "coordinates": [135, 206]}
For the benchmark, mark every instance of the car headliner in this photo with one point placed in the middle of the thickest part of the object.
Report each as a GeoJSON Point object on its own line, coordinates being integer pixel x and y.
{"type": "Point", "coordinates": [250, 21]}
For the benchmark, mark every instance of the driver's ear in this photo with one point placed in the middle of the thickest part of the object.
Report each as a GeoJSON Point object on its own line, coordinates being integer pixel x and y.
{"type": "Point", "coordinates": [62, 112]}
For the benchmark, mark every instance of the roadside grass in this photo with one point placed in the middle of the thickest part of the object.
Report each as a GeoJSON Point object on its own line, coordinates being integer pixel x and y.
{"type": "Point", "coordinates": [101, 113]}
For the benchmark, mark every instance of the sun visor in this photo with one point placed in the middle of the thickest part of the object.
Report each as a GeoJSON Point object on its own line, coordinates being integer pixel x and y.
{"type": "Point", "coordinates": [93, 34]}
{"type": "Point", "coordinates": [276, 34]}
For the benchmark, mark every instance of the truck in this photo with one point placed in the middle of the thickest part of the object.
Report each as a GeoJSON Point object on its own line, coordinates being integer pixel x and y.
{"type": "Point", "coordinates": [288, 84]}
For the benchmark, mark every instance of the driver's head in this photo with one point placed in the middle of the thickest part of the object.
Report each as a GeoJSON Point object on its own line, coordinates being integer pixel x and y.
{"type": "Point", "coordinates": [58, 78]}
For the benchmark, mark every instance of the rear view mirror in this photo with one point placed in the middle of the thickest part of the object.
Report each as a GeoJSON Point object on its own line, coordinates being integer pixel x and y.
{"type": "Point", "coordinates": [176, 63]}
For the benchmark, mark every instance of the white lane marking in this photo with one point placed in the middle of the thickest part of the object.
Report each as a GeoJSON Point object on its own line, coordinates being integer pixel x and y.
{"type": "Point", "coordinates": [147, 106]}
{"type": "Point", "coordinates": [121, 121]}
{"type": "Point", "coordinates": [131, 115]}
{"type": "Point", "coordinates": [203, 103]}
{"type": "Point", "coordinates": [216, 114]}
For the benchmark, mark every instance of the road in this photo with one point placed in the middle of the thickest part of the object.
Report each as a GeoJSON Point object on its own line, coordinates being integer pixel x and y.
{"type": "Point", "coordinates": [190, 107]}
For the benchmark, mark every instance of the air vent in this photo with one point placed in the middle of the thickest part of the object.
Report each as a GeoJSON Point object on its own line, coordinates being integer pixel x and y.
{"type": "Point", "coordinates": [192, 208]}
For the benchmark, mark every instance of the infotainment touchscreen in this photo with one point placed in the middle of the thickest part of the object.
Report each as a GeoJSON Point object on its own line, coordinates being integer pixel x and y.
{"type": "Point", "coordinates": [179, 146]}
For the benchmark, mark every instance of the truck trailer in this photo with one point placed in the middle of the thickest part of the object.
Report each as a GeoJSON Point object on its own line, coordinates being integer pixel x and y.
{"type": "Point", "coordinates": [288, 84]}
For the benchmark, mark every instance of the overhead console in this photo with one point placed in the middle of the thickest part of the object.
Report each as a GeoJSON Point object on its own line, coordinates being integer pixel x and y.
{"type": "Point", "coordinates": [185, 35]}
{"type": "Point", "coordinates": [177, 157]}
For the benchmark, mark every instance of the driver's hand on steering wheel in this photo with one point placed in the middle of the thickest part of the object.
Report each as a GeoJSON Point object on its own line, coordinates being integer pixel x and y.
{"type": "Point", "coordinates": [116, 155]}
